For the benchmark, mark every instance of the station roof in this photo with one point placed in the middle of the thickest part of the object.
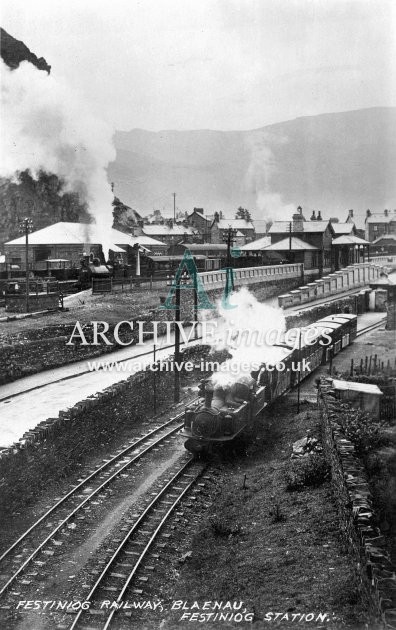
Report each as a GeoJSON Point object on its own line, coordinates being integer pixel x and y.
{"type": "Point", "coordinates": [346, 239]}
{"type": "Point", "coordinates": [66, 233]}
{"type": "Point", "coordinates": [384, 237]}
{"type": "Point", "coordinates": [257, 245]}
{"type": "Point", "coordinates": [284, 245]}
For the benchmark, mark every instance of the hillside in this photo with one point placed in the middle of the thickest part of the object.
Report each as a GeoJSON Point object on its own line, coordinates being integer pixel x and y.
{"type": "Point", "coordinates": [331, 162]}
{"type": "Point", "coordinates": [13, 52]}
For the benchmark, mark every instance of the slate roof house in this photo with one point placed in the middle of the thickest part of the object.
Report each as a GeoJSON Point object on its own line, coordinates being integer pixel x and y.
{"type": "Point", "coordinates": [379, 224]}
{"type": "Point", "coordinates": [68, 241]}
{"type": "Point", "coordinates": [169, 234]}
{"type": "Point", "coordinates": [244, 230]}
{"type": "Point", "coordinates": [316, 232]}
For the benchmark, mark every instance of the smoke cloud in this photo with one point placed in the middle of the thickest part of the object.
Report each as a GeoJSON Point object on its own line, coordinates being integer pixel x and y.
{"type": "Point", "coordinates": [48, 127]}
{"type": "Point", "coordinates": [272, 206]}
{"type": "Point", "coordinates": [258, 178]}
{"type": "Point", "coordinates": [247, 332]}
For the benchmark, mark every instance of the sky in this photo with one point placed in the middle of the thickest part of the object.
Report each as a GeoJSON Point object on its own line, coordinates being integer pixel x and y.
{"type": "Point", "coordinates": [214, 64]}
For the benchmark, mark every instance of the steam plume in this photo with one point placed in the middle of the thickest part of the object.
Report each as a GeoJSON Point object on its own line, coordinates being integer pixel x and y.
{"type": "Point", "coordinates": [46, 127]}
{"type": "Point", "coordinates": [245, 332]}
{"type": "Point", "coordinates": [258, 178]}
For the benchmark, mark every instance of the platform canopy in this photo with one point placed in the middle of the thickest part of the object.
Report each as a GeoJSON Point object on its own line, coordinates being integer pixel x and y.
{"type": "Point", "coordinates": [256, 246]}
{"type": "Point", "coordinates": [347, 239]}
{"type": "Point", "coordinates": [288, 244]}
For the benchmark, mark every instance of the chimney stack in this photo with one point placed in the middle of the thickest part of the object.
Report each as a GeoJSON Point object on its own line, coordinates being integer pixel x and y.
{"type": "Point", "coordinates": [350, 213]}
{"type": "Point", "coordinates": [368, 213]}
{"type": "Point", "coordinates": [386, 212]}
{"type": "Point", "coordinates": [319, 218]}
{"type": "Point", "coordinates": [313, 217]}
{"type": "Point", "coordinates": [298, 220]}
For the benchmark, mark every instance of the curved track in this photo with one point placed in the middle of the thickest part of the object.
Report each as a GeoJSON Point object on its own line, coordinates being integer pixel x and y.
{"type": "Point", "coordinates": [133, 551]}
{"type": "Point", "coordinates": [104, 475]}
{"type": "Point", "coordinates": [371, 327]}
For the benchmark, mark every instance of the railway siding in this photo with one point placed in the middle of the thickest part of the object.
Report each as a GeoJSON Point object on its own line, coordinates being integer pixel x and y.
{"type": "Point", "coordinates": [38, 349]}
{"type": "Point", "coordinates": [56, 446]}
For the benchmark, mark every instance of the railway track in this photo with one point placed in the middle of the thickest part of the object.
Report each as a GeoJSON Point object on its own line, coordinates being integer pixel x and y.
{"type": "Point", "coordinates": [78, 498]}
{"type": "Point", "coordinates": [371, 327]}
{"type": "Point", "coordinates": [133, 555]}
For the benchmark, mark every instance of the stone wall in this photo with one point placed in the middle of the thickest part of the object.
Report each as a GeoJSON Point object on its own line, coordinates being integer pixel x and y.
{"type": "Point", "coordinates": [53, 449]}
{"type": "Point", "coordinates": [26, 357]}
{"type": "Point", "coordinates": [343, 281]}
{"type": "Point", "coordinates": [40, 302]}
{"type": "Point", "coordinates": [350, 304]}
{"type": "Point", "coordinates": [357, 518]}
{"type": "Point", "coordinates": [253, 275]}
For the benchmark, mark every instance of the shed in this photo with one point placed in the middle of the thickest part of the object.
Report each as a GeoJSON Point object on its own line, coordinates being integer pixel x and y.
{"type": "Point", "coordinates": [364, 396]}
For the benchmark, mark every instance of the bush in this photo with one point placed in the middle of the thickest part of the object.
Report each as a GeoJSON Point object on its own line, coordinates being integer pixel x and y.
{"type": "Point", "coordinates": [223, 528]}
{"type": "Point", "coordinates": [307, 471]}
{"type": "Point", "coordinates": [365, 432]}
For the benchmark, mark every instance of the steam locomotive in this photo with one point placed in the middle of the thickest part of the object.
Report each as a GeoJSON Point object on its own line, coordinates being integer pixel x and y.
{"type": "Point", "coordinates": [223, 413]}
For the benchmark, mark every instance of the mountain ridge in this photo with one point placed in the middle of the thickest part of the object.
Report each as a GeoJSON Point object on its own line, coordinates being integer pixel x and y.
{"type": "Point", "coordinates": [329, 162]}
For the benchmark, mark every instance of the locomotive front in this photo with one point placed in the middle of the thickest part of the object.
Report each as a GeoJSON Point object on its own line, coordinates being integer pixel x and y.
{"type": "Point", "coordinates": [222, 413]}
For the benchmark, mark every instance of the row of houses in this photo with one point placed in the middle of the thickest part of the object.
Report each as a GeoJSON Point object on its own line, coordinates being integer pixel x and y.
{"type": "Point", "coordinates": [321, 244]}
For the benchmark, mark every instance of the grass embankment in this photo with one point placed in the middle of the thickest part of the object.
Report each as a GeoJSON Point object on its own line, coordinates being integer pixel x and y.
{"type": "Point", "coordinates": [276, 549]}
{"type": "Point", "coordinates": [85, 308]}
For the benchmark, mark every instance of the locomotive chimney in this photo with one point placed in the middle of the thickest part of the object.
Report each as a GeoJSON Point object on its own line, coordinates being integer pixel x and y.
{"type": "Point", "coordinates": [208, 395]}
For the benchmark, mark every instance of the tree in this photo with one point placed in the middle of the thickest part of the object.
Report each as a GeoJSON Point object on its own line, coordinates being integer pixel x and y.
{"type": "Point", "coordinates": [243, 213]}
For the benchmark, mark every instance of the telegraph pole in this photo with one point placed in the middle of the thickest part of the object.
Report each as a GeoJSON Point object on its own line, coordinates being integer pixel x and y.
{"type": "Point", "coordinates": [26, 226]}
{"type": "Point", "coordinates": [229, 238]}
{"type": "Point", "coordinates": [174, 208]}
{"type": "Point", "coordinates": [177, 344]}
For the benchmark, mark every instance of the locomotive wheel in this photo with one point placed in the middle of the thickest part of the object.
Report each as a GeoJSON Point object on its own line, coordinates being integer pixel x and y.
{"type": "Point", "coordinates": [193, 446]}
{"type": "Point", "coordinates": [197, 448]}
{"type": "Point", "coordinates": [240, 444]}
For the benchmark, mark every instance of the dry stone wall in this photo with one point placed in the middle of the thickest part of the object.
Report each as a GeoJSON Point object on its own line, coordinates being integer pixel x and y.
{"type": "Point", "coordinates": [357, 517]}
{"type": "Point", "coordinates": [54, 448]}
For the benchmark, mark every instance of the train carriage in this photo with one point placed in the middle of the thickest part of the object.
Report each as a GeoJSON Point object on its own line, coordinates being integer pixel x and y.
{"type": "Point", "coordinates": [223, 413]}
